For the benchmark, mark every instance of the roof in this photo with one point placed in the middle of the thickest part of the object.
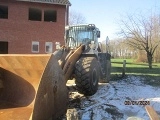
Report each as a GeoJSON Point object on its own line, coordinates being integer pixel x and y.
{"type": "Point", "coordinates": [61, 2]}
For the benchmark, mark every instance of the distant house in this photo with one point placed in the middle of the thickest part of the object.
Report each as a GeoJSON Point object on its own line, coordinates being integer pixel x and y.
{"type": "Point", "coordinates": [32, 26]}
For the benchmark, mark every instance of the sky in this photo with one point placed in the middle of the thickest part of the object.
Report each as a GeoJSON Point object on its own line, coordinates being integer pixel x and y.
{"type": "Point", "coordinates": [106, 14]}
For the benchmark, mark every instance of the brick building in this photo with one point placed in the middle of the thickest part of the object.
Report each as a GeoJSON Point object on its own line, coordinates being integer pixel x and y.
{"type": "Point", "coordinates": [32, 26]}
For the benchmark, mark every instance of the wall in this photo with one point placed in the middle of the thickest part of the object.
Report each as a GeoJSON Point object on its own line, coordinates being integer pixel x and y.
{"type": "Point", "coordinates": [20, 32]}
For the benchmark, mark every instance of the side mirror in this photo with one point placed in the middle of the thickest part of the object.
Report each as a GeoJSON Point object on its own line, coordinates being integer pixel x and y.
{"type": "Point", "coordinates": [98, 34]}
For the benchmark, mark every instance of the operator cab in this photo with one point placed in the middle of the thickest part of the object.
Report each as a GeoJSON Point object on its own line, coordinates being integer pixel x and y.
{"type": "Point", "coordinates": [81, 34]}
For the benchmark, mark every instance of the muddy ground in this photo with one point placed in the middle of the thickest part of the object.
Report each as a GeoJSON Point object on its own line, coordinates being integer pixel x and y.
{"type": "Point", "coordinates": [123, 99]}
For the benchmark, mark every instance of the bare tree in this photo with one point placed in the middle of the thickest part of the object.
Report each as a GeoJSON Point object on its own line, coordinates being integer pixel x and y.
{"type": "Point", "coordinates": [119, 49]}
{"type": "Point", "coordinates": [142, 33]}
{"type": "Point", "coordinates": [157, 55]}
{"type": "Point", "coordinates": [76, 18]}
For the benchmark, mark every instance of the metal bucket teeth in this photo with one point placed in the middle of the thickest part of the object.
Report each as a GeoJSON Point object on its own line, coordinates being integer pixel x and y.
{"type": "Point", "coordinates": [32, 87]}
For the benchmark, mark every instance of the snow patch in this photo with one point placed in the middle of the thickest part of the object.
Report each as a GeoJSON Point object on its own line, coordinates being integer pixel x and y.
{"type": "Point", "coordinates": [110, 101]}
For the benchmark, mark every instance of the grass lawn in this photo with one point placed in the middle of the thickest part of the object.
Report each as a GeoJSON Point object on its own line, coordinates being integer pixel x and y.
{"type": "Point", "coordinates": [134, 68]}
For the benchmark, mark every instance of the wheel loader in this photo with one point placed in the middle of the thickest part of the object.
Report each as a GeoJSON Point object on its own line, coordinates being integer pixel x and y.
{"type": "Point", "coordinates": [33, 87]}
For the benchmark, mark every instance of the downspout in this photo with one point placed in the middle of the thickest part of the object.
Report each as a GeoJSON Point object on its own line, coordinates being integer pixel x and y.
{"type": "Point", "coordinates": [67, 15]}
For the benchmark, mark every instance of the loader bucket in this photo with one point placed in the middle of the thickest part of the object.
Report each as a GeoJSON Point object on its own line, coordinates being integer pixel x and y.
{"type": "Point", "coordinates": [32, 87]}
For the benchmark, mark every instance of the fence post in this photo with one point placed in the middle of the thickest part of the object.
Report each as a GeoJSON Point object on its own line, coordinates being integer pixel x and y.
{"type": "Point", "coordinates": [124, 68]}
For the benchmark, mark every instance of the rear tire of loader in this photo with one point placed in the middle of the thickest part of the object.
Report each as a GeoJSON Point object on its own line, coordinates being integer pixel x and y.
{"type": "Point", "coordinates": [87, 75]}
{"type": "Point", "coordinates": [108, 72]}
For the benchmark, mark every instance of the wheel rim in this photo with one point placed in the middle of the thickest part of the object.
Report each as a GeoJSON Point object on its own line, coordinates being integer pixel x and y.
{"type": "Point", "coordinates": [94, 77]}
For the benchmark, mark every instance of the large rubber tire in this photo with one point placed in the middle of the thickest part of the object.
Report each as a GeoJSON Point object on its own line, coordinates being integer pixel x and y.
{"type": "Point", "coordinates": [107, 77]}
{"type": "Point", "coordinates": [87, 75]}
{"type": "Point", "coordinates": [108, 71]}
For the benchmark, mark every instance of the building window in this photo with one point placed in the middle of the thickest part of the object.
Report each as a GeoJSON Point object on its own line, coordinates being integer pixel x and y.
{"type": "Point", "coordinates": [3, 12]}
{"type": "Point", "coordinates": [48, 47]}
{"type": "Point", "coordinates": [3, 47]}
{"type": "Point", "coordinates": [50, 15]}
{"type": "Point", "coordinates": [58, 45]}
{"type": "Point", "coordinates": [35, 47]}
{"type": "Point", "coordinates": [35, 14]}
